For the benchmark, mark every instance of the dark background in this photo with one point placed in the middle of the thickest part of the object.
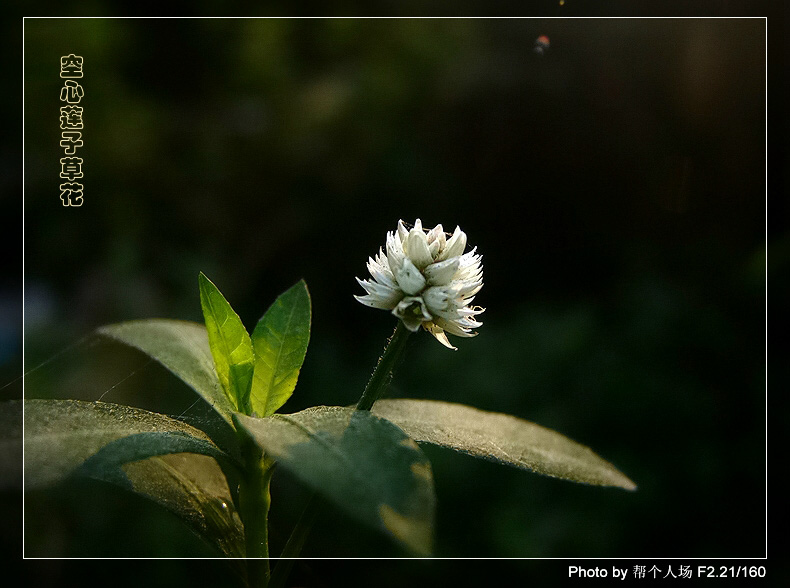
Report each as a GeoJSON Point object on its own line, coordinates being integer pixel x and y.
{"type": "Point", "coordinates": [615, 187]}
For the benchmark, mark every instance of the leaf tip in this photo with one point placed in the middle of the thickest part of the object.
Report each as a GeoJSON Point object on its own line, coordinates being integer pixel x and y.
{"type": "Point", "coordinates": [303, 285]}
{"type": "Point", "coordinates": [412, 532]}
{"type": "Point", "coordinates": [204, 285]}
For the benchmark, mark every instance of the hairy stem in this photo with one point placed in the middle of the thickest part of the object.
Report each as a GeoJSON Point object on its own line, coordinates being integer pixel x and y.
{"type": "Point", "coordinates": [382, 375]}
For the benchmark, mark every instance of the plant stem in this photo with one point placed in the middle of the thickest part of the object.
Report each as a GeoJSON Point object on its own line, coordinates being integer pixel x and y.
{"type": "Point", "coordinates": [295, 542]}
{"type": "Point", "coordinates": [254, 501]}
{"type": "Point", "coordinates": [383, 373]}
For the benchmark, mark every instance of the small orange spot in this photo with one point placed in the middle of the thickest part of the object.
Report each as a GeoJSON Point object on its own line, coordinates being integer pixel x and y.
{"type": "Point", "coordinates": [542, 43]}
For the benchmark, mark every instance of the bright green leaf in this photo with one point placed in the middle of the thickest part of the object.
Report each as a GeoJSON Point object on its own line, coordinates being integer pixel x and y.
{"type": "Point", "coordinates": [280, 341]}
{"type": "Point", "coordinates": [365, 465]}
{"type": "Point", "coordinates": [230, 344]}
{"type": "Point", "coordinates": [180, 346]}
{"type": "Point", "coordinates": [502, 438]}
{"type": "Point", "coordinates": [60, 435]}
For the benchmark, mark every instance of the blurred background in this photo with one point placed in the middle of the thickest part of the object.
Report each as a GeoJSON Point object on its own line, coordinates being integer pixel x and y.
{"type": "Point", "coordinates": [614, 184]}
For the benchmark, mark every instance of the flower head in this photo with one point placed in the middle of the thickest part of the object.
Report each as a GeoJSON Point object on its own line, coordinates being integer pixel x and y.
{"type": "Point", "coordinates": [426, 280]}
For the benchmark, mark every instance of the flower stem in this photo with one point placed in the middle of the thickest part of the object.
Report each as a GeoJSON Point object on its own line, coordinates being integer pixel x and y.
{"type": "Point", "coordinates": [382, 375]}
{"type": "Point", "coordinates": [254, 502]}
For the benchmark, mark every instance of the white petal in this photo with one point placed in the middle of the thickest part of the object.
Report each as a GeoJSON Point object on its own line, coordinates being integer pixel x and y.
{"type": "Point", "coordinates": [441, 272]}
{"type": "Point", "coordinates": [453, 328]}
{"type": "Point", "coordinates": [380, 290]}
{"type": "Point", "coordinates": [439, 334]}
{"type": "Point", "coordinates": [450, 314]}
{"type": "Point", "coordinates": [395, 255]}
{"type": "Point", "coordinates": [471, 311]}
{"type": "Point", "coordinates": [436, 240]}
{"type": "Point", "coordinates": [437, 299]}
{"type": "Point", "coordinates": [369, 300]}
{"type": "Point", "coordinates": [433, 248]}
{"type": "Point", "coordinates": [417, 248]}
{"type": "Point", "coordinates": [382, 261]}
{"type": "Point", "coordinates": [470, 275]}
{"type": "Point", "coordinates": [403, 232]}
{"type": "Point", "coordinates": [379, 295]}
{"type": "Point", "coordinates": [437, 234]}
{"type": "Point", "coordinates": [468, 287]}
{"type": "Point", "coordinates": [468, 323]}
{"type": "Point", "coordinates": [379, 269]}
{"type": "Point", "coordinates": [455, 245]}
{"type": "Point", "coordinates": [373, 302]}
{"type": "Point", "coordinates": [409, 278]}
{"type": "Point", "coordinates": [469, 265]}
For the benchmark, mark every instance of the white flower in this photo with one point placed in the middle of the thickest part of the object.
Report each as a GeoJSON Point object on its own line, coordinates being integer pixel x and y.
{"type": "Point", "coordinates": [426, 280]}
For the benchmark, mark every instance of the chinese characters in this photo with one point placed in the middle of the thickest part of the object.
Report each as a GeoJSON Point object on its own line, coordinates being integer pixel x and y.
{"type": "Point", "coordinates": [71, 191]}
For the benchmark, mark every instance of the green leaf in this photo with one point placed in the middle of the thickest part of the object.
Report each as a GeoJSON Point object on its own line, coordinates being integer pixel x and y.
{"type": "Point", "coordinates": [183, 348]}
{"type": "Point", "coordinates": [365, 465]}
{"type": "Point", "coordinates": [502, 438]}
{"type": "Point", "coordinates": [193, 487]}
{"type": "Point", "coordinates": [175, 470]}
{"type": "Point", "coordinates": [113, 443]}
{"type": "Point", "coordinates": [106, 464]}
{"type": "Point", "coordinates": [60, 435]}
{"type": "Point", "coordinates": [230, 345]}
{"type": "Point", "coordinates": [280, 341]}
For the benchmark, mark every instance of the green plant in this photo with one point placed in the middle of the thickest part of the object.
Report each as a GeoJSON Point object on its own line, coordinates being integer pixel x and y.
{"type": "Point", "coordinates": [364, 459]}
